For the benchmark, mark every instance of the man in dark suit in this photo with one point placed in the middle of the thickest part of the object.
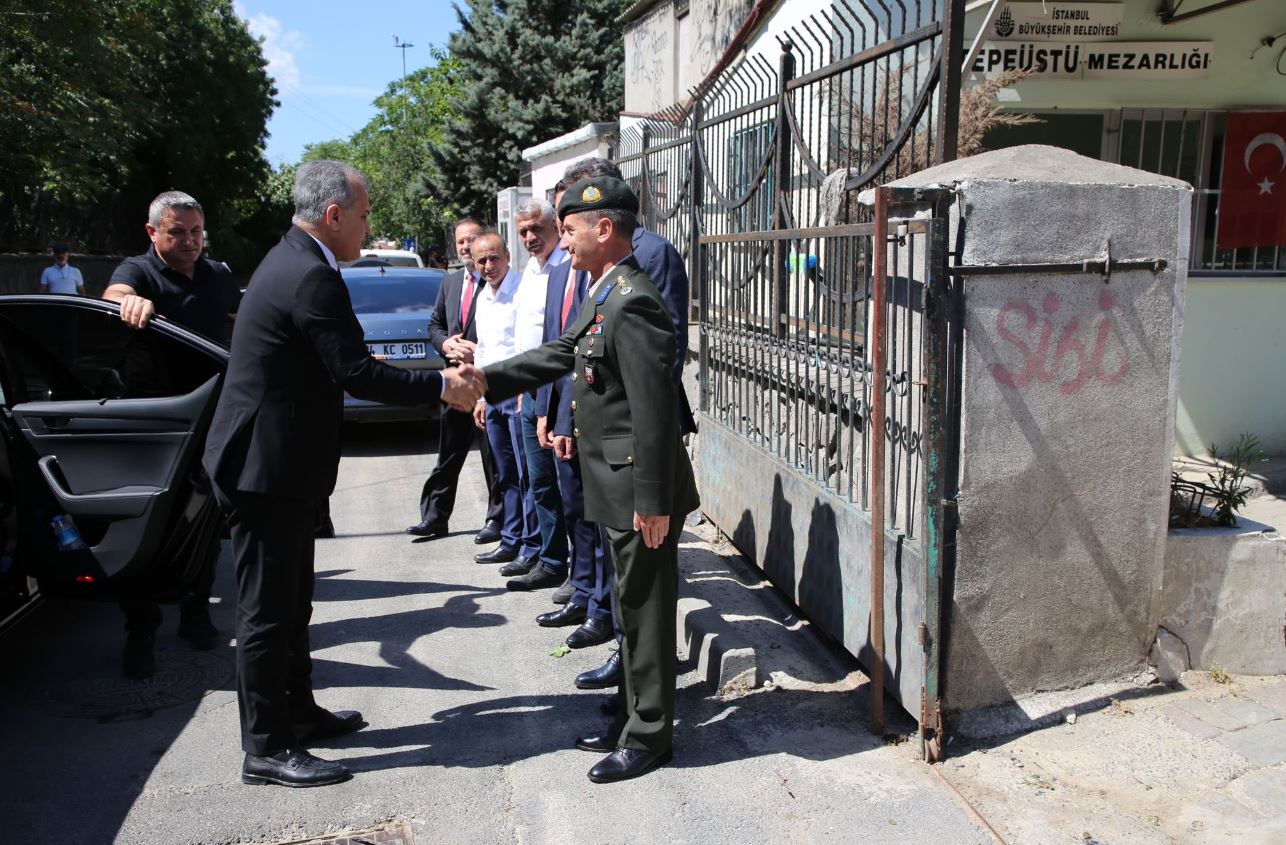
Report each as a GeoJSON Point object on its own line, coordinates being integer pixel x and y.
{"type": "Point", "coordinates": [454, 334]}
{"type": "Point", "coordinates": [635, 470]}
{"type": "Point", "coordinates": [273, 456]}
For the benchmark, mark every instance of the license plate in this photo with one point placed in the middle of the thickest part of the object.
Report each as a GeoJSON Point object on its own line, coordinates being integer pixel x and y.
{"type": "Point", "coordinates": [395, 351]}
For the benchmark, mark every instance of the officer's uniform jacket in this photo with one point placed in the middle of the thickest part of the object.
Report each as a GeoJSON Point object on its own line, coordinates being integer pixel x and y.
{"type": "Point", "coordinates": [619, 352]}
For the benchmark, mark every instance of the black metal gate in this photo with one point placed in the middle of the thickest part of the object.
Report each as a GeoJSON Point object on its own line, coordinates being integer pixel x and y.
{"type": "Point", "coordinates": [818, 311]}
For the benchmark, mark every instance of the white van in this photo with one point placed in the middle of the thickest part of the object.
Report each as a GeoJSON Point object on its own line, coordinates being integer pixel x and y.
{"type": "Point", "coordinates": [395, 257]}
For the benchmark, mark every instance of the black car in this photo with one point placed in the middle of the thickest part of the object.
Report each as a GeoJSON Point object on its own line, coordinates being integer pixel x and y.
{"type": "Point", "coordinates": [102, 494]}
{"type": "Point", "coordinates": [393, 305]}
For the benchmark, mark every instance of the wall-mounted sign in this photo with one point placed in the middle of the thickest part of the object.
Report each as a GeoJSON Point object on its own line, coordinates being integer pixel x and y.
{"type": "Point", "coordinates": [1103, 60]}
{"type": "Point", "coordinates": [1054, 21]}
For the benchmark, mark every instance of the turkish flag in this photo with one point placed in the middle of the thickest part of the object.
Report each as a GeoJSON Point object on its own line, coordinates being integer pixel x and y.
{"type": "Point", "coordinates": [1252, 198]}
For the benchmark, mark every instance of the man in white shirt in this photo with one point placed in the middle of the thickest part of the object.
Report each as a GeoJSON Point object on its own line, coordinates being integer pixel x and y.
{"type": "Point", "coordinates": [537, 225]}
{"type": "Point", "coordinates": [495, 318]}
{"type": "Point", "coordinates": [61, 277]}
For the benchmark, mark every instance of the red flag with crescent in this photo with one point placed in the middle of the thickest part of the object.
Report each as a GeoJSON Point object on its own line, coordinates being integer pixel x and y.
{"type": "Point", "coordinates": [1252, 198]}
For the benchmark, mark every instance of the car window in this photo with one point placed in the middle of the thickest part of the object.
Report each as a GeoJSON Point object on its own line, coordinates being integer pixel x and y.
{"type": "Point", "coordinates": [401, 261]}
{"type": "Point", "coordinates": [393, 293]}
{"type": "Point", "coordinates": [55, 353]}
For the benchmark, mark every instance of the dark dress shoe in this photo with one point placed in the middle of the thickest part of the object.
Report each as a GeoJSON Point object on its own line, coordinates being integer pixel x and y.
{"type": "Point", "coordinates": [571, 614]}
{"type": "Point", "coordinates": [490, 533]}
{"type": "Point", "coordinates": [564, 593]}
{"type": "Point", "coordinates": [138, 661]}
{"type": "Point", "coordinates": [626, 763]}
{"type": "Point", "coordinates": [497, 555]}
{"type": "Point", "coordinates": [604, 677]}
{"type": "Point", "coordinates": [591, 632]}
{"type": "Point", "coordinates": [293, 767]}
{"type": "Point", "coordinates": [195, 626]}
{"type": "Point", "coordinates": [521, 566]}
{"type": "Point", "coordinates": [602, 743]}
{"type": "Point", "coordinates": [428, 529]}
{"type": "Point", "coordinates": [539, 578]}
{"type": "Point", "coordinates": [328, 725]}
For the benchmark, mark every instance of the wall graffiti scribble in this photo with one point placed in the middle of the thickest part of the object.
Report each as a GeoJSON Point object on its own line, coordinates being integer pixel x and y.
{"type": "Point", "coordinates": [1031, 336]}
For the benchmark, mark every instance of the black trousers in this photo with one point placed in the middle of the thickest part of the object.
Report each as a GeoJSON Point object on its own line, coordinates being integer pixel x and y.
{"type": "Point", "coordinates": [272, 545]}
{"type": "Point", "coordinates": [456, 436]}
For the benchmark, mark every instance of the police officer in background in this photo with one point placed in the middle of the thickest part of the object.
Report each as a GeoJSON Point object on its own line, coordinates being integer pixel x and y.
{"type": "Point", "coordinates": [637, 478]}
{"type": "Point", "coordinates": [172, 279]}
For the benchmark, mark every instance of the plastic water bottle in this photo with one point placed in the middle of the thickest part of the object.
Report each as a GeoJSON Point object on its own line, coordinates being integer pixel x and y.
{"type": "Point", "coordinates": [66, 534]}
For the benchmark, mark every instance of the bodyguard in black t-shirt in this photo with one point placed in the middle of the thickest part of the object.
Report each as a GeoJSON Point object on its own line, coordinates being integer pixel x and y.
{"type": "Point", "coordinates": [172, 279]}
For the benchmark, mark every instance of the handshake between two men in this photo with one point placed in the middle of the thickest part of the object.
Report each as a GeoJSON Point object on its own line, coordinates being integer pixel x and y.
{"type": "Point", "coordinates": [463, 386]}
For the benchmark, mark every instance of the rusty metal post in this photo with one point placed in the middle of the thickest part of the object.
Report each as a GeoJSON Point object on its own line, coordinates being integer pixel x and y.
{"type": "Point", "coordinates": [645, 189]}
{"type": "Point", "coordinates": [779, 196]}
{"type": "Point", "coordinates": [949, 81]}
{"type": "Point", "coordinates": [879, 379]}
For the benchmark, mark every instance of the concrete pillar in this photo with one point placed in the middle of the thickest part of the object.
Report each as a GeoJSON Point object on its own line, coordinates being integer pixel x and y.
{"type": "Point", "coordinates": [1069, 390]}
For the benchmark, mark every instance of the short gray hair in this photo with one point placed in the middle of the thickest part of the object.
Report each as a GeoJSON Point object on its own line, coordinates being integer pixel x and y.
{"type": "Point", "coordinates": [588, 168]}
{"type": "Point", "coordinates": [168, 201]}
{"type": "Point", "coordinates": [320, 184]}
{"type": "Point", "coordinates": [535, 207]}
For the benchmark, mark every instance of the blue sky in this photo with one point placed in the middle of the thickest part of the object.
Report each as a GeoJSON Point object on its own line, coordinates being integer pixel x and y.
{"type": "Point", "coordinates": [331, 58]}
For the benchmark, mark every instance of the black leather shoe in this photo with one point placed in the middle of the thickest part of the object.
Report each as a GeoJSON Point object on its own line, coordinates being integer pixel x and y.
{"type": "Point", "coordinates": [490, 533]}
{"type": "Point", "coordinates": [520, 566]}
{"type": "Point", "coordinates": [293, 767]}
{"type": "Point", "coordinates": [604, 677]}
{"type": "Point", "coordinates": [428, 529]}
{"type": "Point", "coordinates": [570, 614]}
{"type": "Point", "coordinates": [138, 661]}
{"type": "Point", "coordinates": [603, 743]}
{"type": "Point", "coordinates": [497, 555]}
{"type": "Point", "coordinates": [626, 763]}
{"type": "Point", "coordinates": [328, 725]}
{"type": "Point", "coordinates": [539, 578]}
{"type": "Point", "coordinates": [564, 593]}
{"type": "Point", "coordinates": [195, 626]}
{"type": "Point", "coordinates": [591, 632]}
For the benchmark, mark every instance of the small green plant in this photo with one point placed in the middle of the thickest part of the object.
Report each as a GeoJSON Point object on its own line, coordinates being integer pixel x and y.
{"type": "Point", "coordinates": [1230, 495]}
{"type": "Point", "coordinates": [1220, 675]}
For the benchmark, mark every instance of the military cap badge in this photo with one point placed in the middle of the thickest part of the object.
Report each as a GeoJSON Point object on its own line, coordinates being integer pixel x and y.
{"type": "Point", "coordinates": [591, 194]}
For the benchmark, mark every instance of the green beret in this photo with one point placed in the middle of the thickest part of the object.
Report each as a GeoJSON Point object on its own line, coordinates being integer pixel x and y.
{"type": "Point", "coordinates": [596, 194]}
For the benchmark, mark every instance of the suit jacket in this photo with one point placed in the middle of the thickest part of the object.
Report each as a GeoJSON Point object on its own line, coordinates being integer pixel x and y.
{"type": "Point", "coordinates": [296, 347]}
{"type": "Point", "coordinates": [627, 425]}
{"type": "Point", "coordinates": [554, 400]}
{"type": "Point", "coordinates": [663, 264]}
{"type": "Point", "coordinates": [445, 320]}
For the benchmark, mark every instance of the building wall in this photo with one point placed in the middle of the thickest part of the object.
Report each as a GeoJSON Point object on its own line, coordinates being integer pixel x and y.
{"type": "Point", "coordinates": [1233, 379]}
{"type": "Point", "coordinates": [547, 170]}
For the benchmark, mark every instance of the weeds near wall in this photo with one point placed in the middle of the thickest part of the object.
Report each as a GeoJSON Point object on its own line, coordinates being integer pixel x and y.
{"type": "Point", "coordinates": [1194, 504]}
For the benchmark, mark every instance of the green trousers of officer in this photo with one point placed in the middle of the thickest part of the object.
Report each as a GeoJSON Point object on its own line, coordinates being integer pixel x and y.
{"type": "Point", "coordinates": [644, 583]}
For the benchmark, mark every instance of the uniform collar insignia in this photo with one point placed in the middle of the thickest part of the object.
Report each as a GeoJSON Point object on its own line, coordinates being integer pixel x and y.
{"type": "Point", "coordinates": [602, 296]}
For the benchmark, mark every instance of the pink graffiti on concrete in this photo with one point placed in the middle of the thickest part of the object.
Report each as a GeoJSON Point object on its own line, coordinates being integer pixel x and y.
{"type": "Point", "coordinates": [1033, 336]}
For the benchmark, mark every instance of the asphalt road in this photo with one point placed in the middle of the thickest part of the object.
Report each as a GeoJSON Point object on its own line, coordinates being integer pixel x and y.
{"type": "Point", "coordinates": [472, 721]}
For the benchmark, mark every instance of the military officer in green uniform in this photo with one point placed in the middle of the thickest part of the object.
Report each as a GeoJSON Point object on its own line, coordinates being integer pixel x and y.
{"type": "Point", "coordinates": [637, 478]}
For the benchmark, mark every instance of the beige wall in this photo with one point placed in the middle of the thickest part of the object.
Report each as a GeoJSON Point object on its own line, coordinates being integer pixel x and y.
{"type": "Point", "coordinates": [1233, 377]}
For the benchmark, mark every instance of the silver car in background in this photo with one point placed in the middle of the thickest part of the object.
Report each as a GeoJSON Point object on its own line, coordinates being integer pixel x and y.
{"type": "Point", "coordinates": [394, 304]}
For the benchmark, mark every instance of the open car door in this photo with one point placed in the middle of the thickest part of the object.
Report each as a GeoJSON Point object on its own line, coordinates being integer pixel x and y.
{"type": "Point", "coordinates": [106, 425]}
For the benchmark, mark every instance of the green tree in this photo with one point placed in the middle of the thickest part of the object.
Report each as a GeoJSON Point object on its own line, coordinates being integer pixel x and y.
{"type": "Point", "coordinates": [104, 104]}
{"type": "Point", "coordinates": [528, 70]}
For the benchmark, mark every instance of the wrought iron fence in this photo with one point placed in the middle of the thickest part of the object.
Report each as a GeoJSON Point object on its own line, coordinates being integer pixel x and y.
{"type": "Point", "coordinates": [756, 180]}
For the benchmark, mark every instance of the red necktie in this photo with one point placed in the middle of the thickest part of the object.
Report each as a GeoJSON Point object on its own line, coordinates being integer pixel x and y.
{"type": "Point", "coordinates": [466, 300]}
{"type": "Point", "coordinates": [567, 298]}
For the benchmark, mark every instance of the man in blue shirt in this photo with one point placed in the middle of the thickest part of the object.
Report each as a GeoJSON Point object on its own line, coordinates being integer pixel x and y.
{"type": "Point", "coordinates": [61, 277]}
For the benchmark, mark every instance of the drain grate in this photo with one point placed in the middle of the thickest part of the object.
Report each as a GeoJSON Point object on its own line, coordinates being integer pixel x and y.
{"type": "Point", "coordinates": [389, 833]}
{"type": "Point", "coordinates": [102, 693]}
